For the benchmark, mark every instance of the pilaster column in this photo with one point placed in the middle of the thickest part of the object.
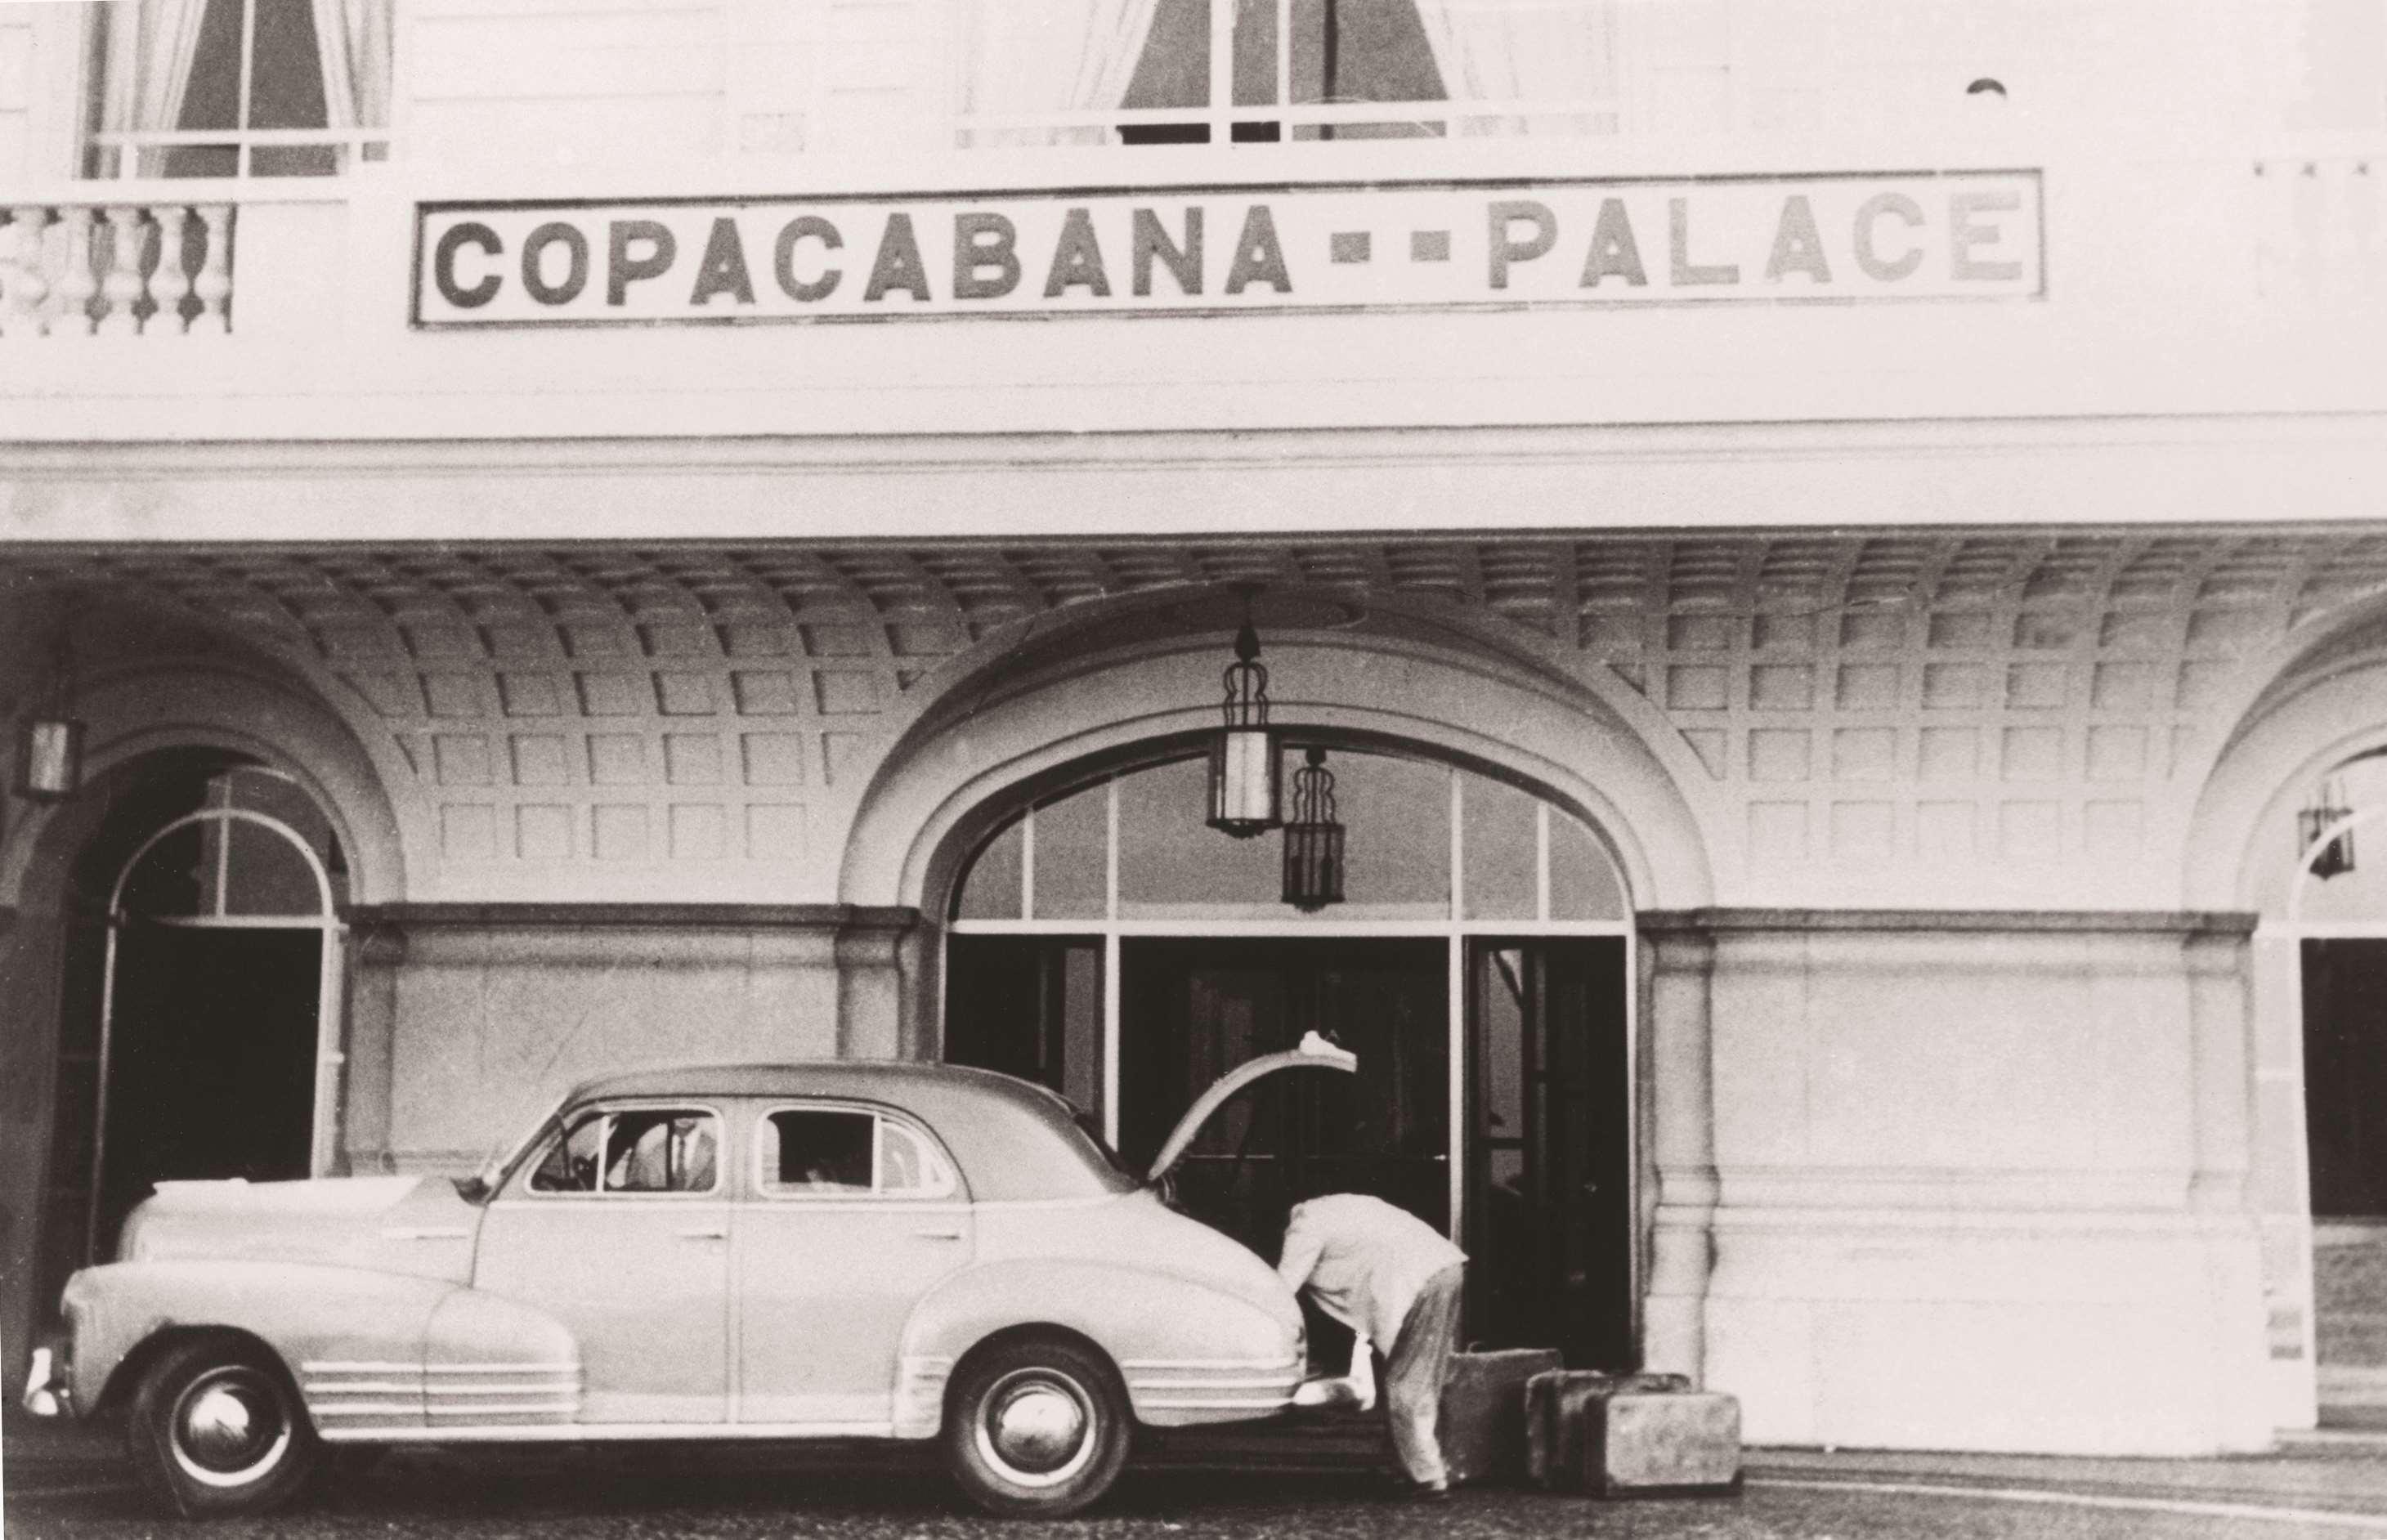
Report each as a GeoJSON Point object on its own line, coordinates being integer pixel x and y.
{"type": "Point", "coordinates": [1678, 964]}
{"type": "Point", "coordinates": [877, 972]}
{"type": "Point", "coordinates": [2220, 1014]}
{"type": "Point", "coordinates": [376, 951]}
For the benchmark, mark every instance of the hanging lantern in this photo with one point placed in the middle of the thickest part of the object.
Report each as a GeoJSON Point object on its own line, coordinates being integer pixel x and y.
{"type": "Point", "coordinates": [49, 740]}
{"type": "Point", "coordinates": [1245, 787]}
{"type": "Point", "coordinates": [1313, 841]}
{"type": "Point", "coordinates": [2326, 811]}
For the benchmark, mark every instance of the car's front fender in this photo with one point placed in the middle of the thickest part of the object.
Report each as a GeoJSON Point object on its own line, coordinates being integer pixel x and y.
{"type": "Point", "coordinates": [372, 1353]}
{"type": "Point", "coordinates": [1189, 1350]}
{"type": "Point", "coordinates": [305, 1314]}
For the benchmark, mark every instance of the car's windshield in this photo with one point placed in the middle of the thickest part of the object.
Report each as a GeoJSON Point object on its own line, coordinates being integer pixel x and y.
{"type": "Point", "coordinates": [484, 1182]}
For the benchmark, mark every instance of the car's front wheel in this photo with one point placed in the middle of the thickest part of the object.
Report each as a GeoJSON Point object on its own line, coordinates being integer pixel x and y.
{"type": "Point", "coordinates": [1038, 1426]}
{"type": "Point", "coordinates": [217, 1428]}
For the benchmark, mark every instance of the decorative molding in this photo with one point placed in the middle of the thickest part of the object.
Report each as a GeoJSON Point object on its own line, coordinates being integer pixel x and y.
{"type": "Point", "coordinates": [1722, 921]}
{"type": "Point", "coordinates": [1696, 443]}
{"type": "Point", "coordinates": [893, 920]}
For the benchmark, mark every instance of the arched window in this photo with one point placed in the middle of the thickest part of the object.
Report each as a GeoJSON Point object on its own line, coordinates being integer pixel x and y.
{"type": "Point", "coordinates": [259, 851]}
{"type": "Point", "coordinates": [2338, 914]}
{"type": "Point", "coordinates": [1133, 850]}
{"type": "Point", "coordinates": [2341, 875]}
{"type": "Point", "coordinates": [217, 1054]}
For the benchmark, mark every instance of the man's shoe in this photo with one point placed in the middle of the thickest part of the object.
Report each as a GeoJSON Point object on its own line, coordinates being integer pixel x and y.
{"type": "Point", "coordinates": [1423, 1491]}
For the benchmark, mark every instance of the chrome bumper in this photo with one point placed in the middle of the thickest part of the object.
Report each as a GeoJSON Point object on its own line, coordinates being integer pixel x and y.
{"type": "Point", "coordinates": [49, 1384]}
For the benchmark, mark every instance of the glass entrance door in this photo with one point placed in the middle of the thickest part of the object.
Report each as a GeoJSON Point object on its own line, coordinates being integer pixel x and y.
{"type": "Point", "coordinates": [1548, 1150]}
{"type": "Point", "coordinates": [1203, 1006]}
{"type": "Point", "coordinates": [1104, 942]}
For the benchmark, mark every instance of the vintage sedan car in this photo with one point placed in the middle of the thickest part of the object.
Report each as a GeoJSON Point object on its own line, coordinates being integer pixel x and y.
{"type": "Point", "coordinates": [832, 1250]}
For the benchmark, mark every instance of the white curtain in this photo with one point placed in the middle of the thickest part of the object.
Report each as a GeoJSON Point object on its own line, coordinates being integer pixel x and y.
{"type": "Point", "coordinates": [150, 46]}
{"type": "Point", "coordinates": [1526, 51]}
{"type": "Point", "coordinates": [354, 36]}
{"type": "Point", "coordinates": [1036, 57]}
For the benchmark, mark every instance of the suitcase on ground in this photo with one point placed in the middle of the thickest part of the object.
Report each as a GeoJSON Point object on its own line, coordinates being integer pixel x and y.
{"type": "Point", "coordinates": [1553, 1418]}
{"type": "Point", "coordinates": [1483, 1418]}
{"type": "Point", "coordinates": [1610, 1434]}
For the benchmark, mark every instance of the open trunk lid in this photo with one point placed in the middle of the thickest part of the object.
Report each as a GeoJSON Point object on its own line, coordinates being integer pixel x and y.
{"type": "Point", "coordinates": [1315, 1052]}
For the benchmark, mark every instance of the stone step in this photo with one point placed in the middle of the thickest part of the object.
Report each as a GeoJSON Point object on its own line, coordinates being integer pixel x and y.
{"type": "Point", "coordinates": [2351, 1337]}
{"type": "Point", "coordinates": [2349, 1269]}
{"type": "Point", "coordinates": [2343, 1385]}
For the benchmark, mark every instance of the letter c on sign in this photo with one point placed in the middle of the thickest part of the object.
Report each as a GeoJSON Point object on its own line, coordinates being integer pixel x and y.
{"type": "Point", "coordinates": [783, 257]}
{"type": "Point", "coordinates": [443, 264]}
{"type": "Point", "coordinates": [1869, 215]}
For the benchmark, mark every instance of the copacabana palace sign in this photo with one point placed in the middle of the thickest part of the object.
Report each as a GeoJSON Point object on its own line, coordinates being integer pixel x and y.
{"type": "Point", "coordinates": [1179, 251]}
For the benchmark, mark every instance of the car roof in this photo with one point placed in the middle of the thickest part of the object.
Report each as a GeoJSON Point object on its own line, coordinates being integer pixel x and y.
{"type": "Point", "coordinates": [1014, 1140]}
{"type": "Point", "coordinates": [803, 1078]}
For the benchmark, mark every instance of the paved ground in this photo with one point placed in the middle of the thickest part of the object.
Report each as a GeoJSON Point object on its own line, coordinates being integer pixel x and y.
{"type": "Point", "coordinates": [2324, 1487]}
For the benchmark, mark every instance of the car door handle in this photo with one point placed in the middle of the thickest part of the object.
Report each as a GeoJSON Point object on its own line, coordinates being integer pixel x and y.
{"type": "Point", "coordinates": [709, 1232]}
{"type": "Point", "coordinates": [428, 1232]}
{"type": "Point", "coordinates": [937, 1234]}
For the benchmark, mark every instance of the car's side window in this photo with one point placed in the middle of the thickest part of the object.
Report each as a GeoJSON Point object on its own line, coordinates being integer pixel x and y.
{"type": "Point", "coordinates": [642, 1150]}
{"type": "Point", "coordinates": [909, 1166]}
{"type": "Point", "coordinates": [663, 1150]}
{"type": "Point", "coordinates": [817, 1152]}
{"type": "Point", "coordinates": [570, 1162]}
{"type": "Point", "coordinates": [848, 1153]}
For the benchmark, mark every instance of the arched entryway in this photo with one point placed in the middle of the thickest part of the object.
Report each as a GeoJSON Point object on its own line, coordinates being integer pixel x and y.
{"type": "Point", "coordinates": [199, 1016]}
{"type": "Point", "coordinates": [2337, 916]}
{"type": "Point", "coordinates": [1102, 940]}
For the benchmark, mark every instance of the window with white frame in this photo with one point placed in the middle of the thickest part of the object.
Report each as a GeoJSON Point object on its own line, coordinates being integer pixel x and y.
{"type": "Point", "coordinates": [238, 88]}
{"type": "Point", "coordinates": [847, 1153]}
{"type": "Point", "coordinates": [1213, 72]}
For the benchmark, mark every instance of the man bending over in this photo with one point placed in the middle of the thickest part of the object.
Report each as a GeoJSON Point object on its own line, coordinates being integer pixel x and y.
{"type": "Point", "coordinates": [1392, 1278]}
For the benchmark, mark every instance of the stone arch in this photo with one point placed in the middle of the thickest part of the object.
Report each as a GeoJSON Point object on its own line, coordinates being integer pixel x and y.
{"type": "Point", "coordinates": [2304, 711]}
{"type": "Point", "coordinates": [2321, 707]}
{"type": "Point", "coordinates": [1021, 726]}
{"type": "Point", "coordinates": [190, 686]}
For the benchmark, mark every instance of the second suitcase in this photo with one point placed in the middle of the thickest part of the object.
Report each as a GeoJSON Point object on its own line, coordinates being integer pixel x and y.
{"type": "Point", "coordinates": [1555, 1405]}
{"type": "Point", "coordinates": [1624, 1433]}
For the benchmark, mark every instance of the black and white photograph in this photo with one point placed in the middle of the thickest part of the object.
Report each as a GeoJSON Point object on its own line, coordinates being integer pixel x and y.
{"type": "Point", "coordinates": [936, 769]}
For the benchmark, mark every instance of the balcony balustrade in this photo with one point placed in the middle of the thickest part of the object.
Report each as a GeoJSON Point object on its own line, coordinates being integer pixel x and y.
{"type": "Point", "coordinates": [102, 269]}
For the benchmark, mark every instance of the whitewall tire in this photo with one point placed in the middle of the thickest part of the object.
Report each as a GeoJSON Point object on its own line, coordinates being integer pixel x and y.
{"type": "Point", "coordinates": [1039, 1426]}
{"type": "Point", "coordinates": [218, 1429]}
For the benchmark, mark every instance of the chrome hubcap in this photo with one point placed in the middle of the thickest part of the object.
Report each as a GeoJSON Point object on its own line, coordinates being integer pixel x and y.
{"type": "Point", "coordinates": [1037, 1427]}
{"type": "Point", "coordinates": [229, 1425]}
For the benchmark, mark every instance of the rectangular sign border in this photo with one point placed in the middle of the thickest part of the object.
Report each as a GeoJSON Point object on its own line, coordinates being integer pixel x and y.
{"type": "Point", "coordinates": [424, 210]}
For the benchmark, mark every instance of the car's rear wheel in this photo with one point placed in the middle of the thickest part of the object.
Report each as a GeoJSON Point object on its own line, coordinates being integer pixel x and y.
{"type": "Point", "coordinates": [1038, 1426]}
{"type": "Point", "coordinates": [217, 1428]}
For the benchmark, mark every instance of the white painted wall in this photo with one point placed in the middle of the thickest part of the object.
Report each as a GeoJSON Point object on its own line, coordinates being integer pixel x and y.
{"type": "Point", "coordinates": [1978, 1187]}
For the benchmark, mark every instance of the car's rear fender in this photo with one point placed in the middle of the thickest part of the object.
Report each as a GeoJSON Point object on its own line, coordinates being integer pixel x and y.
{"type": "Point", "coordinates": [1187, 1351]}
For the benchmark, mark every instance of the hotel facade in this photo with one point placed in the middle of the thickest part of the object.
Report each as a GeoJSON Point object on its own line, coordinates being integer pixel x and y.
{"type": "Point", "coordinates": [1830, 552]}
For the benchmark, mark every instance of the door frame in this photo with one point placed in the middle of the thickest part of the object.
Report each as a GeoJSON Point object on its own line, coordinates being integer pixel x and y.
{"type": "Point", "coordinates": [1455, 928]}
{"type": "Point", "coordinates": [329, 971]}
{"type": "Point", "coordinates": [2277, 946]}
